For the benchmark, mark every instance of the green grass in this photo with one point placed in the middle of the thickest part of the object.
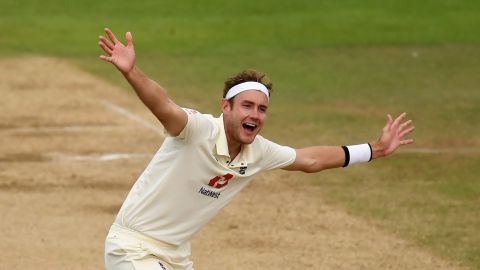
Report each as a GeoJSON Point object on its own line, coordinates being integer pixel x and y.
{"type": "Point", "coordinates": [69, 28]}
{"type": "Point", "coordinates": [431, 198]}
{"type": "Point", "coordinates": [338, 67]}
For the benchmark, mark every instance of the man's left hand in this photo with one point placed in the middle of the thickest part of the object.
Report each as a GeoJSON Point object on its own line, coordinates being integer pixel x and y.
{"type": "Point", "coordinates": [393, 136]}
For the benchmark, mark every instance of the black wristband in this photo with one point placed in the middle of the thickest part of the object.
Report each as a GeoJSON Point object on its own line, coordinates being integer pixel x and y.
{"type": "Point", "coordinates": [347, 156]}
{"type": "Point", "coordinates": [371, 152]}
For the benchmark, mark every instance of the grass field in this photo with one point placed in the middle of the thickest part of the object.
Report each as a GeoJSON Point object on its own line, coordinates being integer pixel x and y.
{"type": "Point", "coordinates": [338, 67]}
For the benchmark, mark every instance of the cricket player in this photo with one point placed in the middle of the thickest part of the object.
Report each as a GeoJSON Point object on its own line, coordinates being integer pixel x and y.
{"type": "Point", "coordinates": [205, 161]}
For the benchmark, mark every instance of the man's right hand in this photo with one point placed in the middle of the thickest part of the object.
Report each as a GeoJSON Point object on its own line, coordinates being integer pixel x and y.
{"type": "Point", "coordinates": [121, 56]}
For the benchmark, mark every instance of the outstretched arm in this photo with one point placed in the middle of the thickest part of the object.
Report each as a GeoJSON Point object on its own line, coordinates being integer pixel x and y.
{"type": "Point", "coordinates": [318, 158]}
{"type": "Point", "coordinates": [172, 117]}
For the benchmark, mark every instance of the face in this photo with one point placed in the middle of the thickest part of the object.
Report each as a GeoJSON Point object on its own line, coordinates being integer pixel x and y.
{"type": "Point", "coordinates": [245, 117]}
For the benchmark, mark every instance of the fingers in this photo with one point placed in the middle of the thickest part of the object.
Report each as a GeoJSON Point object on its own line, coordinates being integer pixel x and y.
{"type": "Point", "coordinates": [129, 38]}
{"type": "Point", "coordinates": [405, 124]}
{"type": "Point", "coordinates": [104, 41]}
{"type": "Point", "coordinates": [405, 142]}
{"type": "Point", "coordinates": [109, 45]}
{"type": "Point", "coordinates": [404, 128]}
{"type": "Point", "coordinates": [399, 119]}
{"type": "Point", "coordinates": [389, 122]}
{"type": "Point", "coordinates": [111, 36]}
{"type": "Point", "coordinates": [106, 58]}
{"type": "Point", "coordinates": [105, 48]}
{"type": "Point", "coordinates": [405, 132]}
{"type": "Point", "coordinates": [397, 123]}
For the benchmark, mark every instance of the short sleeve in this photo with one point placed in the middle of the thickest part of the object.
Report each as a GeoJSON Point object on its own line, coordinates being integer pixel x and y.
{"type": "Point", "coordinates": [274, 155]}
{"type": "Point", "coordinates": [199, 126]}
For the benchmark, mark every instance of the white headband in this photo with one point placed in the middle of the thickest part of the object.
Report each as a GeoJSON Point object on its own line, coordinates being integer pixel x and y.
{"type": "Point", "coordinates": [237, 89]}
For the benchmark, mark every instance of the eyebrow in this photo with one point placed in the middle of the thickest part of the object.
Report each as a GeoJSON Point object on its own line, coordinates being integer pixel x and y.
{"type": "Point", "coordinates": [253, 103]}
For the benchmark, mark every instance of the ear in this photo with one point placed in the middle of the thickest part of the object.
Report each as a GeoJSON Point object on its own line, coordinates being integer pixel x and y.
{"type": "Point", "coordinates": [225, 105]}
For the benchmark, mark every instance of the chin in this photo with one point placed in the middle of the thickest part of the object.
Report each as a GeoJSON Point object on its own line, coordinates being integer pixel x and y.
{"type": "Point", "coordinates": [249, 140]}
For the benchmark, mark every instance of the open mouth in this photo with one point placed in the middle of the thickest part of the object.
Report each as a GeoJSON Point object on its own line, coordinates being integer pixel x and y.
{"type": "Point", "coordinates": [249, 126]}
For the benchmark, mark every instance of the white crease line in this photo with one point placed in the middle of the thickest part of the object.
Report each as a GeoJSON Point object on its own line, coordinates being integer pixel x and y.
{"type": "Point", "coordinates": [132, 116]}
{"type": "Point", "coordinates": [97, 157]}
{"type": "Point", "coordinates": [471, 150]}
{"type": "Point", "coordinates": [73, 128]}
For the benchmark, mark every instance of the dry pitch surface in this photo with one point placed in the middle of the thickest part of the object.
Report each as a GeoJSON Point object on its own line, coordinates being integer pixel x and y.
{"type": "Point", "coordinates": [71, 145]}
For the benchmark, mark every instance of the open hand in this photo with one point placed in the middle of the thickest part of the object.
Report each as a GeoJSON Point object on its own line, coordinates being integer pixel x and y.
{"type": "Point", "coordinates": [393, 136]}
{"type": "Point", "coordinates": [123, 57]}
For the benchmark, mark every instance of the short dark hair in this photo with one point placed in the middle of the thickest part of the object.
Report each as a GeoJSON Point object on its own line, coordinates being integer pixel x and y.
{"type": "Point", "coordinates": [248, 75]}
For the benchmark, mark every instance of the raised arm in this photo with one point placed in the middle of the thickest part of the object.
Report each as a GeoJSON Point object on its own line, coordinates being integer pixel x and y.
{"type": "Point", "coordinates": [172, 117]}
{"type": "Point", "coordinates": [318, 158]}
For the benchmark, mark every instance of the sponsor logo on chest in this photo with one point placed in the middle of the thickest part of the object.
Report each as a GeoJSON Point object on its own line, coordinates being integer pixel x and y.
{"type": "Point", "coordinates": [218, 182]}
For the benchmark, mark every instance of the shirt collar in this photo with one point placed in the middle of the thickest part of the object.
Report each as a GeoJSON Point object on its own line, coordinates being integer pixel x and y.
{"type": "Point", "coordinates": [244, 157]}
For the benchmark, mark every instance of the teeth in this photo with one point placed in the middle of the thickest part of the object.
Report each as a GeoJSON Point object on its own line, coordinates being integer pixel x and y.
{"type": "Point", "coordinates": [250, 125]}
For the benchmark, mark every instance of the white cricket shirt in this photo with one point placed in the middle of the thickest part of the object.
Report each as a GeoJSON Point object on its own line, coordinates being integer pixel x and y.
{"type": "Point", "coordinates": [190, 179]}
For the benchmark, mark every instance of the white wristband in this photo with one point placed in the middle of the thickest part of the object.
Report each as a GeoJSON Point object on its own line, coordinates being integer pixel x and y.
{"type": "Point", "coordinates": [357, 153]}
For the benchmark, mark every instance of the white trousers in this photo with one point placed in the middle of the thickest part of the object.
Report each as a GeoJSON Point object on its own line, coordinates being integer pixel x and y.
{"type": "Point", "coordinates": [126, 249]}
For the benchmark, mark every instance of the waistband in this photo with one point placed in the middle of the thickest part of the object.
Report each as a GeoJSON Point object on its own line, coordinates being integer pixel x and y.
{"type": "Point", "coordinates": [140, 236]}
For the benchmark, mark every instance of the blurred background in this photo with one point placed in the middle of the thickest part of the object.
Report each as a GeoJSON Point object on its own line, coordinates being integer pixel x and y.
{"type": "Point", "coordinates": [338, 67]}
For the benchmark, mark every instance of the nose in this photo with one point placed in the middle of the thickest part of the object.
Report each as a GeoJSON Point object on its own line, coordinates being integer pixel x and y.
{"type": "Point", "coordinates": [255, 114]}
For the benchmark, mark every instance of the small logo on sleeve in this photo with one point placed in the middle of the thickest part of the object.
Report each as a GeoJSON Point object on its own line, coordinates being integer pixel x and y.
{"type": "Point", "coordinates": [190, 111]}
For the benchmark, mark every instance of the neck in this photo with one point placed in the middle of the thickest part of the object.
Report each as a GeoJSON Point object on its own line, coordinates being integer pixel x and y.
{"type": "Point", "coordinates": [233, 148]}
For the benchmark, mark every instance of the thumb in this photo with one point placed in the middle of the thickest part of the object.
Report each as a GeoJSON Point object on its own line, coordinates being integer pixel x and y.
{"type": "Point", "coordinates": [129, 38]}
{"type": "Point", "coordinates": [388, 123]}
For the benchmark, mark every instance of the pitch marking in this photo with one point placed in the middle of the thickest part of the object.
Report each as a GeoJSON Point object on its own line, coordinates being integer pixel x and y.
{"type": "Point", "coordinates": [471, 150]}
{"type": "Point", "coordinates": [97, 157]}
{"type": "Point", "coordinates": [132, 116]}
